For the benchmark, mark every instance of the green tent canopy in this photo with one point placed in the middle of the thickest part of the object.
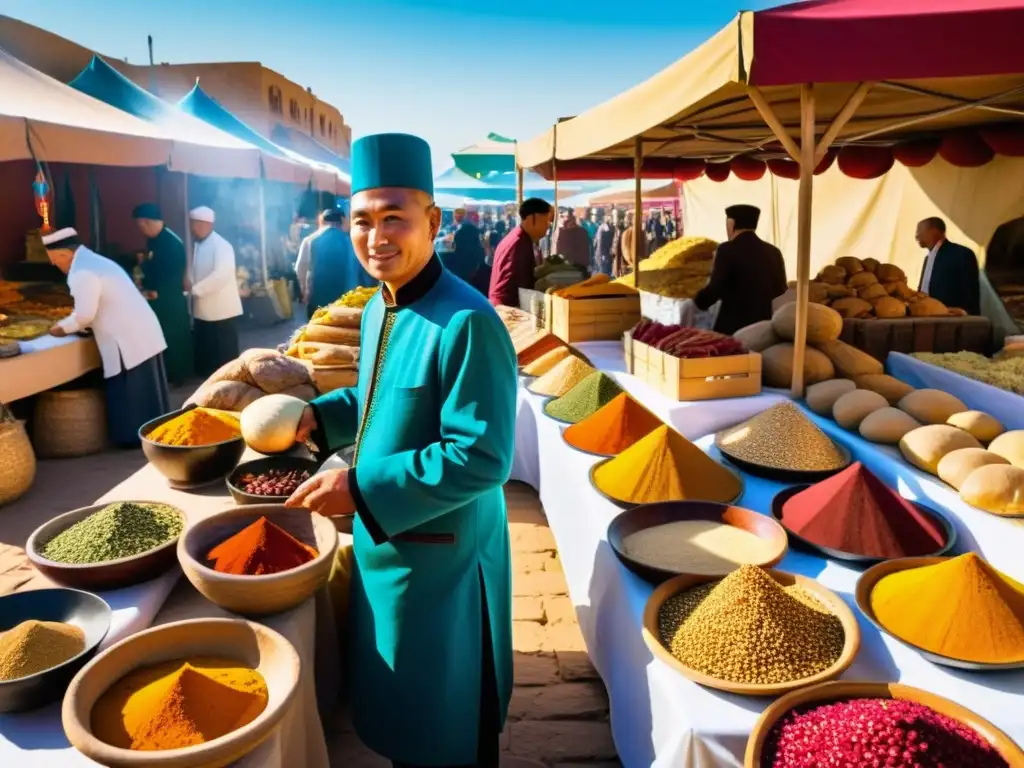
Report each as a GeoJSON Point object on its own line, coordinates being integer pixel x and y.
{"type": "Point", "coordinates": [495, 154]}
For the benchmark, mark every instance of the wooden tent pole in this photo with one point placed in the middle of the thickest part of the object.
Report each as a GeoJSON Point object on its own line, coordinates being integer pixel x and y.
{"type": "Point", "coordinates": [849, 109]}
{"type": "Point", "coordinates": [773, 122]}
{"type": "Point", "coordinates": [554, 180]}
{"type": "Point", "coordinates": [638, 207]}
{"type": "Point", "coordinates": [519, 185]}
{"type": "Point", "coordinates": [803, 255]}
{"type": "Point", "coordinates": [263, 234]}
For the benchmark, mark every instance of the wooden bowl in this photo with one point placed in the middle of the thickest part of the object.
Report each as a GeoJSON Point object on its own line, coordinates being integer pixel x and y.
{"type": "Point", "coordinates": [69, 606]}
{"type": "Point", "coordinates": [827, 693]}
{"type": "Point", "coordinates": [253, 645]}
{"type": "Point", "coordinates": [99, 577]}
{"type": "Point", "coordinates": [866, 585]}
{"type": "Point", "coordinates": [190, 466]}
{"type": "Point", "coordinates": [652, 515]}
{"type": "Point", "coordinates": [258, 595]}
{"type": "Point", "coordinates": [780, 499]}
{"type": "Point", "coordinates": [257, 466]}
{"type": "Point", "coordinates": [834, 603]}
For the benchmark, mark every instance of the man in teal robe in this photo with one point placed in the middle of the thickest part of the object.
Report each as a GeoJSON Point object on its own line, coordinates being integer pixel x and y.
{"type": "Point", "coordinates": [433, 421]}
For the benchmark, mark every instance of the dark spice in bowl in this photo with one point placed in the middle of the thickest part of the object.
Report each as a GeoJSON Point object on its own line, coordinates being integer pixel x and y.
{"type": "Point", "coordinates": [272, 482]}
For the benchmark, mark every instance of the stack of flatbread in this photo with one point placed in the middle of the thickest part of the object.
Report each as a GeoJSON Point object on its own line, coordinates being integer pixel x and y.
{"type": "Point", "coordinates": [329, 346]}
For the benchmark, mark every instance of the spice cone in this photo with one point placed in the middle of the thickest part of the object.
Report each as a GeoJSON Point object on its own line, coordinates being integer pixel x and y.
{"type": "Point", "coordinates": [782, 437]}
{"type": "Point", "coordinates": [585, 399]}
{"type": "Point", "coordinates": [549, 360]}
{"type": "Point", "coordinates": [962, 608]}
{"type": "Point", "coordinates": [529, 348]}
{"type": "Point", "coordinates": [563, 377]}
{"type": "Point", "coordinates": [665, 466]}
{"type": "Point", "coordinates": [259, 550]}
{"type": "Point", "coordinates": [856, 512]}
{"type": "Point", "coordinates": [613, 428]}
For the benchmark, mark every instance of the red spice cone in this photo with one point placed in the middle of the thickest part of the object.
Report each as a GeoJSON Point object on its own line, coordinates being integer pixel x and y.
{"type": "Point", "coordinates": [260, 549]}
{"type": "Point", "coordinates": [855, 512]}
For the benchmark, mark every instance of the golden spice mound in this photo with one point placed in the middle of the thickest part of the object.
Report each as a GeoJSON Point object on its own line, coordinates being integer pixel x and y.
{"type": "Point", "coordinates": [678, 270]}
{"type": "Point", "coordinates": [782, 437]}
{"type": "Point", "coordinates": [747, 628]}
{"type": "Point", "coordinates": [198, 426]}
{"type": "Point", "coordinates": [35, 646]}
{"type": "Point", "coordinates": [357, 297]}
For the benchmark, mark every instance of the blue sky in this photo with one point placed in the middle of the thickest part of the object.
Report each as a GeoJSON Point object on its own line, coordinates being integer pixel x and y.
{"type": "Point", "coordinates": [448, 70]}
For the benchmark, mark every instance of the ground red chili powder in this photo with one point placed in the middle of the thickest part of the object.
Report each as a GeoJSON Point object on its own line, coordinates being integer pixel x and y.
{"type": "Point", "coordinates": [855, 512]}
{"type": "Point", "coordinates": [260, 550]}
{"type": "Point", "coordinates": [872, 733]}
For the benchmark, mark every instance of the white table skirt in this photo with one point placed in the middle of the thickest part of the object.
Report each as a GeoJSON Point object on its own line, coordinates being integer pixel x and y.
{"type": "Point", "coordinates": [661, 719]}
{"type": "Point", "coordinates": [1008, 407]}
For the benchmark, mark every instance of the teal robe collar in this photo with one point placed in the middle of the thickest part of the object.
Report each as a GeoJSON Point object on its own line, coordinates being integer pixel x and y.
{"type": "Point", "coordinates": [416, 288]}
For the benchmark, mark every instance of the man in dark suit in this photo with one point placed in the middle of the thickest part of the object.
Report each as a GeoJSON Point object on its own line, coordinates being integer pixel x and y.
{"type": "Point", "coordinates": [950, 271]}
{"type": "Point", "coordinates": [748, 273]}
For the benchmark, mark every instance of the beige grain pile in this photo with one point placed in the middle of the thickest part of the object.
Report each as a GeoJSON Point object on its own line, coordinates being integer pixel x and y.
{"type": "Point", "coordinates": [563, 377]}
{"type": "Point", "coordinates": [782, 437]}
{"type": "Point", "coordinates": [704, 547]}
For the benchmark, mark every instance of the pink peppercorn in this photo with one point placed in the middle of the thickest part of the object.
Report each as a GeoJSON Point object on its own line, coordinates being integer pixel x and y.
{"type": "Point", "coordinates": [875, 733]}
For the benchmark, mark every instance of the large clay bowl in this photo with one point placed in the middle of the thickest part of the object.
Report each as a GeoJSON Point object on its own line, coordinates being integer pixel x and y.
{"type": "Point", "coordinates": [866, 585]}
{"type": "Point", "coordinates": [253, 645]}
{"type": "Point", "coordinates": [653, 515]}
{"type": "Point", "coordinates": [827, 693]}
{"type": "Point", "coordinates": [99, 577]}
{"type": "Point", "coordinates": [834, 603]}
{"type": "Point", "coordinates": [68, 606]}
{"type": "Point", "coordinates": [190, 466]}
{"type": "Point", "coordinates": [258, 595]}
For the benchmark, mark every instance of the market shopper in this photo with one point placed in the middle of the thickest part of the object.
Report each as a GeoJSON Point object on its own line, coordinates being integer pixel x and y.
{"type": "Point", "coordinates": [950, 272]}
{"type": "Point", "coordinates": [467, 254]}
{"type": "Point", "coordinates": [433, 421]}
{"type": "Point", "coordinates": [514, 258]}
{"type": "Point", "coordinates": [302, 264]}
{"type": "Point", "coordinates": [127, 334]}
{"type": "Point", "coordinates": [571, 241]}
{"type": "Point", "coordinates": [216, 304]}
{"type": "Point", "coordinates": [333, 267]}
{"type": "Point", "coordinates": [747, 275]}
{"type": "Point", "coordinates": [164, 285]}
{"type": "Point", "coordinates": [604, 247]}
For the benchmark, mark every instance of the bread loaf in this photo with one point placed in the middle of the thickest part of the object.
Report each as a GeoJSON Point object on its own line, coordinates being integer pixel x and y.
{"type": "Point", "coordinates": [330, 334]}
{"type": "Point", "coordinates": [995, 488]}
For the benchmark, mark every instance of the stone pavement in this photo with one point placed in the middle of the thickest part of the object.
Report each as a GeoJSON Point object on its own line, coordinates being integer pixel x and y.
{"type": "Point", "coordinates": [559, 711]}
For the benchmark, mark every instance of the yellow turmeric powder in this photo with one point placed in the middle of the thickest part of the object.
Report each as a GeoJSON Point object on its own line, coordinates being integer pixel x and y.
{"type": "Point", "coordinates": [199, 426]}
{"type": "Point", "coordinates": [179, 704]}
{"type": "Point", "coordinates": [962, 608]}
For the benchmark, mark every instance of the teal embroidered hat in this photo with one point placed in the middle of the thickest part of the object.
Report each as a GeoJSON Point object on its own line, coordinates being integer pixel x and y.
{"type": "Point", "coordinates": [392, 160]}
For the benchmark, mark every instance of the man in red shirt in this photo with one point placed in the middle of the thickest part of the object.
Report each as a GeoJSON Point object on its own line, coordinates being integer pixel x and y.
{"type": "Point", "coordinates": [514, 261]}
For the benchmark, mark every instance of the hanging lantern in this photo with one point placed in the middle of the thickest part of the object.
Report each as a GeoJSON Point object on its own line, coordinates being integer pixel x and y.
{"type": "Point", "coordinates": [826, 162]}
{"type": "Point", "coordinates": [44, 204]}
{"type": "Point", "coordinates": [783, 168]}
{"type": "Point", "coordinates": [748, 168]}
{"type": "Point", "coordinates": [717, 171]}
{"type": "Point", "coordinates": [1006, 139]}
{"type": "Point", "coordinates": [865, 162]}
{"type": "Point", "coordinates": [687, 169]}
{"type": "Point", "coordinates": [916, 154]}
{"type": "Point", "coordinates": [964, 148]}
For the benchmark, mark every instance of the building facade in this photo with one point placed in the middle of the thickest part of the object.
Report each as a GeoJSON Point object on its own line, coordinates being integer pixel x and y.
{"type": "Point", "coordinates": [268, 101]}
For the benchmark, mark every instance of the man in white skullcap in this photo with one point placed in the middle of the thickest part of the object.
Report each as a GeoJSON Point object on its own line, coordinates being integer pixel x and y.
{"type": "Point", "coordinates": [215, 300]}
{"type": "Point", "coordinates": [126, 329]}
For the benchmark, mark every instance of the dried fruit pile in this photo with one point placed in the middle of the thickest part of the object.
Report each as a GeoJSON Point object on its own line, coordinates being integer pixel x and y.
{"type": "Point", "coordinates": [683, 342]}
{"type": "Point", "coordinates": [273, 482]}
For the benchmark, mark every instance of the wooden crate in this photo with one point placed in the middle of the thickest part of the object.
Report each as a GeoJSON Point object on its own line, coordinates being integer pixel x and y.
{"type": "Point", "coordinates": [705, 378]}
{"type": "Point", "coordinates": [878, 337]}
{"type": "Point", "coordinates": [604, 318]}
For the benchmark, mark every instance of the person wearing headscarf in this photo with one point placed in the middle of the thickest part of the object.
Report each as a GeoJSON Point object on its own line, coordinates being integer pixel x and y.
{"type": "Point", "coordinates": [126, 330]}
{"type": "Point", "coordinates": [433, 422]}
{"type": "Point", "coordinates": [164, 278]}
{"type": "Point", "coordinates": [747, 275]}
{"type": "Point", "coordinates": [333, 267]}
{"type": "Point", "coordinates": [216, 304]}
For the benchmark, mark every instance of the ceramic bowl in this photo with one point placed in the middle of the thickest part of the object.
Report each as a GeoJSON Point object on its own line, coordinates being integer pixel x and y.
{"type": "Point", "coordinates": [835, 604]}
{"type": "Point", "coordinates": [828, 693]}
{"type": "Point", "coordinates": [190, 466]}
{"type": "Point", "coordinates": [69, 606]}
{"type": "Point", "coordinates": [99, 577]}
{"type": "Point", "coordinates": [252, 645]}
{"type": "Point", "coordinates": [258, 595]}
{"type": "Point", "coordinates": [262, 465]}
{"type": "Point", "coordinates": [653, 515]}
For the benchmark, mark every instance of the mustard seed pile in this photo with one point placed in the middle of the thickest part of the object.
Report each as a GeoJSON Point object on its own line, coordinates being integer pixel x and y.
{"type": "Point", "coordinates": [782, 437]}
{"type": "Point", "coordinates": [747, 628]}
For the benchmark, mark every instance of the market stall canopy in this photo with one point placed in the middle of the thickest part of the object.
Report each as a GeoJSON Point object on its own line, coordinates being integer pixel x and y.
{"type": "Point", "coordinates": [450, 202]}
{"type": "Point", "coordinates": [500, 187]}
{"type": "Point", "coordinates": [879, 57]}
{"type": "Point", "coordinates": [44, 119]}
{"type": "Point", "coordinates": [305, 145]}
{"type": "Point", "coordinates": [279, 164]}
{"type": "Point", "coordinates": [495, 154]}
{"type": "Point", "coordinates": [199, 148]}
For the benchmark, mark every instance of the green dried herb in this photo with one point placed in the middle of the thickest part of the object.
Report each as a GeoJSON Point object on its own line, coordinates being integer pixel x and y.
{"type": "Point", "coordinates": [587, 397]}
{"type": "Point", "coordinates": [119, 530]}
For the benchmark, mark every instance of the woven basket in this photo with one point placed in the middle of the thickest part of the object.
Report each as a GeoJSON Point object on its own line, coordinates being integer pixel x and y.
{"type": "Point", "coordinates": [69, 424]}
{"type": "Point", "coordinates": [17, 461]}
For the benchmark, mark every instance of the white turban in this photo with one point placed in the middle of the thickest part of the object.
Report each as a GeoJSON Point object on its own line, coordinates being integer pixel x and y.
{"type": "Point", "coordinates": [54, 239]}
{"type": "Point", "coordinates": [202, 213]}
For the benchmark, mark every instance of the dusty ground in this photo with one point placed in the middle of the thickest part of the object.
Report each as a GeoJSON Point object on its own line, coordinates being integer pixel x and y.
{"type": "Point", "coordinates": [559, 711]}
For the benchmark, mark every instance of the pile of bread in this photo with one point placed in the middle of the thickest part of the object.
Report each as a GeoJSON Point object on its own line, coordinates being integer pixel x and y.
{"type": "Point", "coordinates": [250, 376]}
{"type": "Point", "coordinates": [936, 432]}
{"type": "Point", "coordinates": [328, 345]}
{"type": "Point", "coordinates": [865, 288]}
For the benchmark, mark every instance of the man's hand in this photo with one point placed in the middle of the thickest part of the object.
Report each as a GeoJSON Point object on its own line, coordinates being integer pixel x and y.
{"type": "Point", "coordinates": [58, 332]}
{"type": "Point", "coordinates": [151, 295]}
{"type": "Point", "coordinates": [306, 425]}
{"type": "Point", "coordinates": [325, 493]}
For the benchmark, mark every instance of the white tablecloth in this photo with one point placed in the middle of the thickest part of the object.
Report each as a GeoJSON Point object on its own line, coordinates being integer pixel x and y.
{"type": "Point", "coordinates": [45, 363]}
{"type": "Point", "coordinates": [661, 719]}
{"type": "Point", "coordinates": [1005, 406]}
